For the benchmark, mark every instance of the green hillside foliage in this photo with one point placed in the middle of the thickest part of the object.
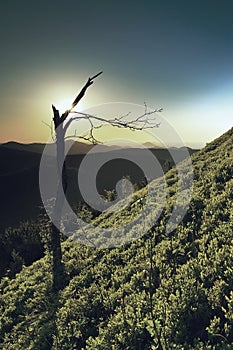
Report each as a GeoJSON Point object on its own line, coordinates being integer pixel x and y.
{"type": "Point", "coordinates": [162, 291]}
{"type": "Point", "coordinates": [20, 246]}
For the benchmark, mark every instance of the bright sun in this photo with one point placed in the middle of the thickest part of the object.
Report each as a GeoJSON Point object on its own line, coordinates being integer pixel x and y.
{"type": "Point", "coordinates": [64, 104]}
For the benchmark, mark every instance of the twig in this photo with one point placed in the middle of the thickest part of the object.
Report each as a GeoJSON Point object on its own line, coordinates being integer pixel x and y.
{"type": "Point", "coordinates": [50, 127]}
{"type": "Point", "coordinates": [142, 122]}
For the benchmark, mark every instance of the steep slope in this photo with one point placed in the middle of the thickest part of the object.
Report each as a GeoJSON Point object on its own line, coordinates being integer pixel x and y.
{"type": "Point", "coordinates": [162, 291]}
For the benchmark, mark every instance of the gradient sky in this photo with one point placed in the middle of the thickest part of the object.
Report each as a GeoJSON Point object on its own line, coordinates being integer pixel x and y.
{"type": "Point", "coordinates": [175, 54]}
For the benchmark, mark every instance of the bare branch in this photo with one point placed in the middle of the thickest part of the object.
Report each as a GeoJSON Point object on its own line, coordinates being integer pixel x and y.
{"type": "Point", "coordinates": [50, 127]}
{"type": "Point", "coordinates": [91, 140]}
{"type": "Point", "coordinates": [95, 76]}
{"type": "Point", "coordinates": [60, 119]}
{"type": "Point", "coordinates": [142, 122]}
{"type": "Point", "coordinates": [134, 124]}
{"type": "Point", "coordinates": [82, 92]}
{"type": "Point", "coordinates": [80, 96]}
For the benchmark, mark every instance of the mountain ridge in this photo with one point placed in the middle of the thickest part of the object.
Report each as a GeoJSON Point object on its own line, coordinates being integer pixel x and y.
{"type": "Point", "coordinates": [76, 147]}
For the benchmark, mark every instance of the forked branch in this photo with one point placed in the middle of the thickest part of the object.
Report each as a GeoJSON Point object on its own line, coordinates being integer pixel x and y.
{"type": "Point", "coordinates": [58, 120]}
{"type": "Point", "coordinates": [80, 96]}
{"type": "Point", "coordinates": [144, 121]}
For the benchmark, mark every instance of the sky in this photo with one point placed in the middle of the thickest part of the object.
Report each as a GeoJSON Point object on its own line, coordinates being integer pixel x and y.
{"type": "Point", "coordinates": [172, 54]}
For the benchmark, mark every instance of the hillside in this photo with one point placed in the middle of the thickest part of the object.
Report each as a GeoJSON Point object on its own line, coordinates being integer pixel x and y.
{"type": "Point", "coordinates": [163, 291]}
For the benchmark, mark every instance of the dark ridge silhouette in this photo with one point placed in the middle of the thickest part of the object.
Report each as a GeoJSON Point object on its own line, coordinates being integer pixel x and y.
{"type": "Point", "coordinates": [19, 175]}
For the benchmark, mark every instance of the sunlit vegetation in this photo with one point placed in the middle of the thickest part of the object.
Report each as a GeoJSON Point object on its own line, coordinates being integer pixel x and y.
{"type": "Point", "coordinates": [162, 291]}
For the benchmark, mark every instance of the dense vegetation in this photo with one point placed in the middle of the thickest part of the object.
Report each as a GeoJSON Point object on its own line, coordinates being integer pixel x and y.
{"type": "Point", "coordinates": [20, 246]}
{"type": "Point", "coordinates": [162, 291]}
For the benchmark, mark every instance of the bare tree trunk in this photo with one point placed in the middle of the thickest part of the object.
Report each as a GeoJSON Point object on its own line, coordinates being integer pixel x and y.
{"type": "Point", "coordinates": [59, 276]}
{"type": "Point", "coordinates": [58, 267]}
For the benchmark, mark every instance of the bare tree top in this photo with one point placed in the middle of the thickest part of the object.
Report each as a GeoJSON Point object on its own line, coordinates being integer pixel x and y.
{"type": "Point", "coordinates": [144, 121]}
{"type": "Point", "coordinates": [56, 115]}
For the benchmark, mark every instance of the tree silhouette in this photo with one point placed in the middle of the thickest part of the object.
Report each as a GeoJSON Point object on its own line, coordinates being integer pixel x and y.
{"type": "Point", "coordinates": [61, 124]}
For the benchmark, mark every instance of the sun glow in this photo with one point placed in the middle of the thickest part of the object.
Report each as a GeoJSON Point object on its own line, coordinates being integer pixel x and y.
{"type": "Point", "coordinates": [64, 104]}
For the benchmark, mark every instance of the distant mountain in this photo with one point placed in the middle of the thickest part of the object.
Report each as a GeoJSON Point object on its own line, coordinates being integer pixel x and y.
{"type": "Point", "coordinates": [151, 145]}
{"type": "Point", "coordinates": [19, 174]}
{"type": "Point", "coordinates": [30, 147]}
{"type": "Point", "coordinates": [75, 147]}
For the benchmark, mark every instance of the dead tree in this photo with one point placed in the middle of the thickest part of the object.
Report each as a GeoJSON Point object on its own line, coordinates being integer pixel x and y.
{"type": "Point", "coordinates": [61, 124]}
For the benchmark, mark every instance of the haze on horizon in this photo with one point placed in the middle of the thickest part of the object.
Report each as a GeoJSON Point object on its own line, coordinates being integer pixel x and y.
{"type": "Point", "coordinates": [172, 54]}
